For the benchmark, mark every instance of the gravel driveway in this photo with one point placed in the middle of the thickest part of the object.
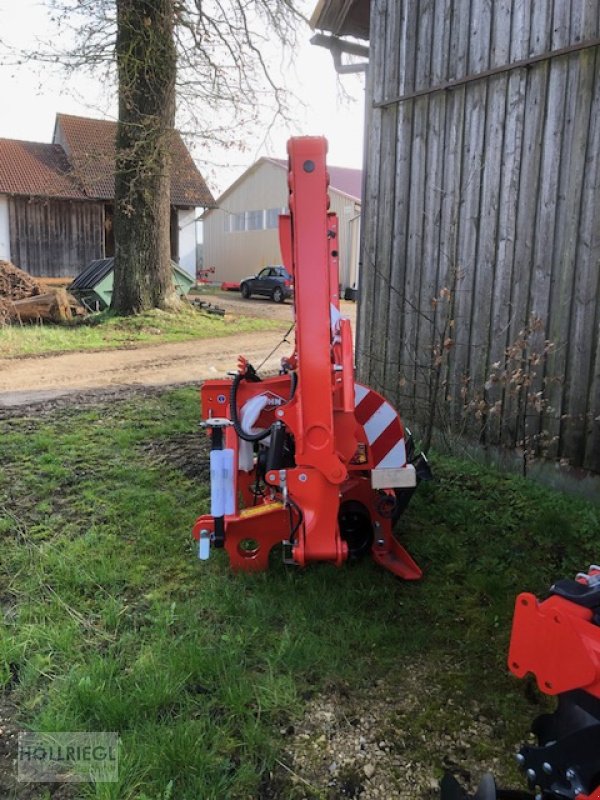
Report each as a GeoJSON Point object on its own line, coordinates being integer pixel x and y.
{"type": "Point", "coordinates": [38, 378]}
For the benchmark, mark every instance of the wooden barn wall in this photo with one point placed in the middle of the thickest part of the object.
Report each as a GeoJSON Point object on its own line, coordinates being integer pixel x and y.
{"type": "Point", "coordinates": [479, 310]}
{"type": "Point", "coordinates": [55, 238]}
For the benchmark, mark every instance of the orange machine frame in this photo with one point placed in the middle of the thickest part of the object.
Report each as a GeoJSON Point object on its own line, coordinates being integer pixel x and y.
{"type": "Point", "coordinates": [338, 462]}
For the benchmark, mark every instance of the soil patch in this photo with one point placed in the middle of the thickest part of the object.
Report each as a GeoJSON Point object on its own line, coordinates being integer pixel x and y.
{"type": "Point", "coordinates": [190, 454]}
{"type": "Point", "coordinates": [10, 788]}
{"type": "Point", "coordinates": [388, 740]}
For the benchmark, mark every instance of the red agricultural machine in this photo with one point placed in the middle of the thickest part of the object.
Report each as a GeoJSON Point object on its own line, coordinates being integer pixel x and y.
{"type": "Point", "coordinates": [308, 458]}
{"type": "Point", "coordinates": [313, 460]}
{"type": "Point", "coordinates": [558, 641]}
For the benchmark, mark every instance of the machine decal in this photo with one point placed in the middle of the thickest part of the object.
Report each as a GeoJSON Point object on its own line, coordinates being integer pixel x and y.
{"type": "Point", "coordinates": [382, 428]}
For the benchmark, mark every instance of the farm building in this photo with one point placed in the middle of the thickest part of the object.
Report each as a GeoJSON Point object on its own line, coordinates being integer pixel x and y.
{"type": "Point", "coordinates": [56, 200]}
{"type": "Point", "coordinates": [480, 302]}
{"type": "Point", "coordinates": [241, 233]}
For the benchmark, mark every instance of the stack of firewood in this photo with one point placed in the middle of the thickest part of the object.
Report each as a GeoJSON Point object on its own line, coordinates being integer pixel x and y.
{"type": "Point", "coordinates": [16, 284]}
{"type": "Point", "coordinates": [23, 299]}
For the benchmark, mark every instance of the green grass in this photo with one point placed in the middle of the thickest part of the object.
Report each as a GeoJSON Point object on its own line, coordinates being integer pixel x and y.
{"type": "Point", "coordinates": [106, 331]}
{"type": "Point", "coordinates": [112, 624]}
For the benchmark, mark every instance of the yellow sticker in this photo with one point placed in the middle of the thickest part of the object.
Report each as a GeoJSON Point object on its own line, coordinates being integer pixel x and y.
{"type": "Point", "coordinates": [254, 511]}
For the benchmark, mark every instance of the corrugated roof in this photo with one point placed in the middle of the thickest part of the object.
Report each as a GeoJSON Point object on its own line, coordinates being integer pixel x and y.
{"type": "Point", "coordinates": [343, 17]}
{"type": "Point", "coordinates": [98, 269]}
{"type": "Point", "coordinates": [90, 146]}
{"type": "Point", "coordinates": [40, 170]}
{"type": "Point", "coordinates": [91, 276]}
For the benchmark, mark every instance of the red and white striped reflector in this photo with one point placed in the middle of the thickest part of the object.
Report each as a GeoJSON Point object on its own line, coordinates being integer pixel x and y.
{"type": "Point", "coordinates": [382, 427]}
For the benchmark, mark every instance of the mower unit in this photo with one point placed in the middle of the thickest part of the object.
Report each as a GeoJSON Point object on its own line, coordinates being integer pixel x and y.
{"type": "Point", "coordinates": [308, 458]}
{"type": "Point", "coordinates": [558, 640]}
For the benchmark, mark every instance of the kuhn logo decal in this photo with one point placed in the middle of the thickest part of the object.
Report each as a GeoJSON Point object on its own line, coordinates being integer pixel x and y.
{"type": "Point", "coordinates": [273, 400]}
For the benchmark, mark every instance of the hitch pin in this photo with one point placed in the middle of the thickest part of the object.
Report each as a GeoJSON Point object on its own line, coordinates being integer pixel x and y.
{"type": "Point", "coordinates": [283, 485]}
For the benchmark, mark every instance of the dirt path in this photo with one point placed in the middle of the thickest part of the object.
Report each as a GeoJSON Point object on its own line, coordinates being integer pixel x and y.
{"type": "Point", "coordinates": [30, 380]}
{"type": "Point", "coordinates": [25, 381]}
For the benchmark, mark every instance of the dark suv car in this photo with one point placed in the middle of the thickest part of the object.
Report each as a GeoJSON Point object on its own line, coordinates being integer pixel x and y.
{"type": "Point", "coordinates": [274, 282]}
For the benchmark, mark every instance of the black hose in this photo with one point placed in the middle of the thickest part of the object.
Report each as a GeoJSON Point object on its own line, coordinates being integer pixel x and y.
{"type": "Point", "coordinates": [294, 528]}
{"type": "Point", "coordinates": [293, 384]}
{"type": "Point", "coordinates": [247, 437]}
{"type": "Point", "coordinates": [237, 426]}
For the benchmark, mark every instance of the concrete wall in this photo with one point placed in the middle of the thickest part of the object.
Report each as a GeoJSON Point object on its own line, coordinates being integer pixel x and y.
{"type": "Point", "coordinates": [4, 229]}
{"type": "Point", "coordinates": [186, 221]}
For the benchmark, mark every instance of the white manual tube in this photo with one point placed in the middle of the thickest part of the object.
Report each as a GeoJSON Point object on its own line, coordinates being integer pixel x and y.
{"type": "Point", "coordinates": [228, 482]}
{"type": "Point", "coordinates": [204, 546]}
{"type": "Point", "coordinates": [249, 414]}
{"type": "Point", "coordinates": [217, 489]}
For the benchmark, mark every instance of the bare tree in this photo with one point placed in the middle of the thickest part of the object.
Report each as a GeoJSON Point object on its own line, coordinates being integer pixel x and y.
{"type": "Point", "coordinates": [146, 64]}
{"type": "Point", "coordinates": [207, 58]}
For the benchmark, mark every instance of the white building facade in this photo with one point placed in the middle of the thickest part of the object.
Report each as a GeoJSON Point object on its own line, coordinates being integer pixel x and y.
{"type": "Point", "coordinates": [241, 235]}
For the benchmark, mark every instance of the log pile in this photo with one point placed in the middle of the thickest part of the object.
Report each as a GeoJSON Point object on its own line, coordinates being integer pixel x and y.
{"type": "Point", "coordinates": [23, 299]}
{"type": "Point", "coordinates": [16, 284]}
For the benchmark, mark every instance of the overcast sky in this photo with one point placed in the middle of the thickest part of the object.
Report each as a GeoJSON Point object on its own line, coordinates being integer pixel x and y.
{"type": "Point", "coordinates": [31, 97]}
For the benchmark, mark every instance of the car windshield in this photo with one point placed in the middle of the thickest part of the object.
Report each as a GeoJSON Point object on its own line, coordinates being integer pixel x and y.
{"type": "Point", "coordinates": [264, 273]}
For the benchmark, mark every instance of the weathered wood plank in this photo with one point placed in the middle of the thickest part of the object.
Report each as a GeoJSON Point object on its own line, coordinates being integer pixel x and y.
{"type": "Point", "coordinates": [52, 238]}
{"type": "Point", "coordinates": [502, 308]}
{"type": "Point", "coordinates": [514, 407]}
{"type": "Point", "coordinates": [494, 199]}
{"type": "Point", "coordinates": [390, 71]}
{"type": "Point", "coordinates": [434, 180]}
{"type": "Point", "coordinates": [585, 306]}
{"type": "Point", "coordinates": [366, 335]}
{"type": "Point", "coordinates": [462, 337]}
{"type": "Point", "coordinates": [556, 140]}
{"type": "Point", "coordinates": [415, 348]}
{"type": "Point", "coordinates": [485, 259]}
{"type": "Point", "coordinates": [402, 172]}
{"type": "Point", "coordinates": [572, 166]}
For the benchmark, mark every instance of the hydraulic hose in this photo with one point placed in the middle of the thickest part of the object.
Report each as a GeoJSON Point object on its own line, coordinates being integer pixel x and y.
{"type": "Point", "coordinates": [237, 425]}
{"type": "Point", "coordinates": [293, 384]}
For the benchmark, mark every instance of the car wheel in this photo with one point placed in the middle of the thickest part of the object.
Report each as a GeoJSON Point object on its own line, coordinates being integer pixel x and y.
{"type": "Point", "coordinates": [245, 290]}
{"type": "Point", "coordinates": [278, 295]}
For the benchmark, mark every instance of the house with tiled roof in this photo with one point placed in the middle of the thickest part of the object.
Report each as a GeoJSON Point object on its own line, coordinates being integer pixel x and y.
{"type": "Point", "coordinates": [241, 233]}
{"type": "Point", "coordinates": [57, 200]}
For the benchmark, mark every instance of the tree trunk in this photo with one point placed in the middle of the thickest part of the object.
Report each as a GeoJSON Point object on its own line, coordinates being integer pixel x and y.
{"type": "Point", "coordinates": [146, 63]}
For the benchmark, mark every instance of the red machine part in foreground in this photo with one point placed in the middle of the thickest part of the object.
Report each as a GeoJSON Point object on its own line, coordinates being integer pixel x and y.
{"type": "Point", "coordinates": [558, 641]}
{"type": "Point", "coordinates": [308, 458]}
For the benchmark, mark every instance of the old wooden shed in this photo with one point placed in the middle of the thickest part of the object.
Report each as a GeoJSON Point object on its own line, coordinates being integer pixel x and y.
{"type": "Point", "coordinates": [56, 200]}
{"type": "Point", "coordinates": [479, 310]}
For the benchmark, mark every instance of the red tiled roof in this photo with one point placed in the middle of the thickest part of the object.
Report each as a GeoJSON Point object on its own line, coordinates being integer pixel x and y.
{"type": "Point", "coordinates": [79, 165]}
{"type": "Point", "coordinates": [41, 170]}
{"type": "Point", "coordinates": [344, 179]}
{"type": "Point", "coordinates": [90, 146]}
